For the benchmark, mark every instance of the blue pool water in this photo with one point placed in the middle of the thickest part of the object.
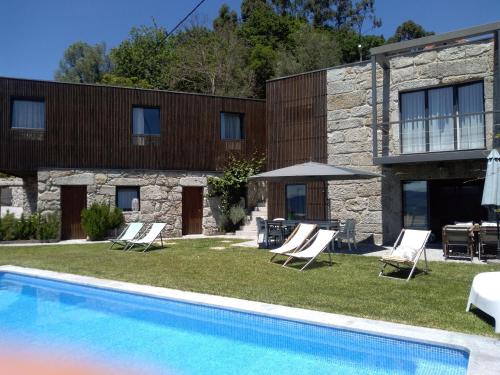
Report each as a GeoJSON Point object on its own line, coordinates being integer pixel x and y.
{"type": "Point", "coordinates": [171, 337]}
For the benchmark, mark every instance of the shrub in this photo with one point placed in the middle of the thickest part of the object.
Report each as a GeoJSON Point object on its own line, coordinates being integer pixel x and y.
{"type": "Point", "coordinates": [100, 218]}
{"type": "Point", "coordinates": [8, 227]}
{"type": "Point", "coordinates": [47, 227]}
{"type": "Point", "coordinates": [236, 214]}
{"type": "Point", "coordinates": [37, 226]}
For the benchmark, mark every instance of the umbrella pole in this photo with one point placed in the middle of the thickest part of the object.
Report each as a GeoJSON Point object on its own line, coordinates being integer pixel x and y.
{"type": "Point", "coordinates": [498, 234]}
{"type": "Point", "coordinates": [327, 201]}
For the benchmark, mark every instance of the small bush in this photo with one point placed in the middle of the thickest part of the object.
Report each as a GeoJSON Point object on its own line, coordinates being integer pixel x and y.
{"type": "Point", "coordinates": [37, 226]}
{"type": "Point", "coordinates": [236, 214]}
{"type": "Point", "coordinates": [100, 218]}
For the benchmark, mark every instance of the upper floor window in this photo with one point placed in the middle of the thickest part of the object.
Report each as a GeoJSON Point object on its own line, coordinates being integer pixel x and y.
{"type": "Point", "coordinates": [146, 121]}
{"type": "Point", "coordinates": [231, 125]}
{"type": "Point", "coordinates": [443, 119]}
{"type": "Point", "coordinates": [28, 114]}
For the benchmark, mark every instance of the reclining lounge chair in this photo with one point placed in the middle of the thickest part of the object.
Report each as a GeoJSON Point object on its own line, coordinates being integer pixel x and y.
{"type": "Point", "coordinates": [314, 247]}
{"type": "Point", "coordinates": [406, 251]}
{"type": "Point", "coordinates": [300, 234]}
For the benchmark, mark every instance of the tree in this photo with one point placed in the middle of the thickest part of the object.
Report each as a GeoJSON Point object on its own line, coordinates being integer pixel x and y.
{"type": "Point", "coordinates": [83, 63]}
{"type": "Point", "coordinates": [145, 56]}
{"type": "Point", "coordinates": [249, 6]}
{"type": "Point", "coordinates": [348, 42]}
{"type": "Point", "coordinates": [227, 18]}
{"type": "Point", "coordinates": [212, 62]}
{"type": "Point", "coordinates": [409, 30]}
{"type": "Point", "coordinates": [312, 49]}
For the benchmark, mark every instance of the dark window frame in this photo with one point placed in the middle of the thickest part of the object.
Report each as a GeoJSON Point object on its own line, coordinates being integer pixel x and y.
{"type": "Point", "coordinates": [456, 115]}
{"type": "Point", "coordinates": [305, 197]}
{"type": "Point", "coordinates": [137, 188]}
{"type": "Point", "coordinates": [132, 119]}
{"type": "Point", "coordinates": [428, 213]}
{"type": "Point", "coordinates": [36, 99]}
{"type": "Point", "coordinates": [242, 126]}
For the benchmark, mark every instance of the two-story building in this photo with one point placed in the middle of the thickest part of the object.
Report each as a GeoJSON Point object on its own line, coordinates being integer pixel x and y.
{"type": "Point", "coordinates": [434, 122]}
{"type": "Point", "coordinates": [436, 118]}
{"type": "Point", "coordinates": [74, 144]}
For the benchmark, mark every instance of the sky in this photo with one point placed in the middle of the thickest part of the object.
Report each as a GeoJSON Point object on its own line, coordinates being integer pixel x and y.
{"type": "Point", "coordinates": [35, 33]}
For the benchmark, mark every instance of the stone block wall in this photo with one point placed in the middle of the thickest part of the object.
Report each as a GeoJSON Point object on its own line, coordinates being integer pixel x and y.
{"type": "Point", "coordinates": [350, 145]}
{"type": "Point", "coordinates": [160, 194]}
{"type": "Point", "coordinates": [23, 192]}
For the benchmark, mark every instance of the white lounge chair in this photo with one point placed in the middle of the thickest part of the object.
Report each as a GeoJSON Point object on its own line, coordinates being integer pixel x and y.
{"type": "Point", "coordinates": [128, 234]}
{"type": "Point", "coordinates": [300, 234]}
{"type": "Point", "coordinates": [314, 247]}
{"type": "Point", "coordinates": [485, 295]}
{"type": "Point", "coordinates": [148, 238]}
{"type": "Point", "coordinates": [406, 251]}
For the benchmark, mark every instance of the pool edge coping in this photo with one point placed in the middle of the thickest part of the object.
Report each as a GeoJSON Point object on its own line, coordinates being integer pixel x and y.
{"type": "Point", "coordinates": [484, 352]}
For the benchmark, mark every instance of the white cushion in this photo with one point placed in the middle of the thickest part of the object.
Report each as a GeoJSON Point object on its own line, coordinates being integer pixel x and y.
{"type": "Point", "coordinates": [488, 224]}
{"type": "Point", "coordinates": [405, 252]}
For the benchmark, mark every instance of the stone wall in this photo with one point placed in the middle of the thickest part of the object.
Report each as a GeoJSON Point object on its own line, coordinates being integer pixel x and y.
{"type": "Point", "coordinates": [23, 192]}
{"type": "Point", "coordinates": [350, 145]}
{"type": "Point", "coordinates": [160, 194]}
{"type": "Point", "coordinates": [349, 104]}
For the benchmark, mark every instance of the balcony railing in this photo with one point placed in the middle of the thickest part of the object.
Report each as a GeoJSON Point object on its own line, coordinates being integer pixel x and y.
{"type": "Point", "coordinates": [439, 134]}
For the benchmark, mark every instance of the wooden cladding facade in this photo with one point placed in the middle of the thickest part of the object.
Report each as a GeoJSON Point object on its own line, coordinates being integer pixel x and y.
{"type": "Point", "coordinates": [90, 126]}
{"type": "Point", "coordinates": [296, 116]}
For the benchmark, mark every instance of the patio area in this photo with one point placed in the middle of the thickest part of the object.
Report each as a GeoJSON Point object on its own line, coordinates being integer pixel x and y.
{"type": "Point", "coordinates": [221, 266]}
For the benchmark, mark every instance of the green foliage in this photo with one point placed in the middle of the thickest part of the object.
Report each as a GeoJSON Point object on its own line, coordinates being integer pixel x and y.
{"type": "Point", "coordinates": [236, 55]}
{"type": "Point", "coordinates": [83, 63]}
{"type": "Point", "coordinates": [236, 214]}
{"type": "Point", "coordinates": [310, 49]}
{"type": "Point", "coordinates": [231, 187]}
{"type": "Point", "coordinates": [145, 56]}
{"type": "Point", "coordinates": [37, 226]}
{"type": "Point", "coordinates": [408, 30]}
{"type": "Point", "coordinates": [100, 218]}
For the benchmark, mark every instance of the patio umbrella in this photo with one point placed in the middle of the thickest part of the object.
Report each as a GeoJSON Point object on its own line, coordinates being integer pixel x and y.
{"type": "Point", "coordinates": [312, 171]}
{"type": "Point", "coordinates": [491, 192]}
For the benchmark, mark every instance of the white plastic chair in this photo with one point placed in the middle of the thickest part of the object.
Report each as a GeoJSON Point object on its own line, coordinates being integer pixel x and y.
{"type": "Point", "coordinates": [128, 234]}
{"type": "Point", "coordinates": [314, 247]}
{"type": "Point", "coordinates": [148, 238]}
{"type": "Point", "coordinates": [300, 234]}
{"type": "Point", "coordinates": [406, 251]}
{"type": "Point", "coordinates": [347, 232]}
{"type": "Point", "coordinates": [485, 295]}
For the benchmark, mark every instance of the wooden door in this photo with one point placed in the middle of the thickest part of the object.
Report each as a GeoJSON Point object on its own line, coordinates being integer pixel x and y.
{"type": "Point", "coordinates": [192, 210]}
{"type": "Point", "coordinates": [73, 201]}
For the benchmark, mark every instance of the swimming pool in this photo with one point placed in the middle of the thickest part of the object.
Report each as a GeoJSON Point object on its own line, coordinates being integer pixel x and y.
{"type": "Point", "coordinates": [166, 336]}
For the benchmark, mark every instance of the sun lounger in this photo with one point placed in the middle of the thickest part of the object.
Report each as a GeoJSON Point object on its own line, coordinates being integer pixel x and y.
{"type": "Point", "coordinates": [458, 240]}
{"type": "Point", "coordinates": [147, 240]}
{"type": "Point", "coordinates": [128, 234]}
{"type": "Point", "coordinates": [313, 248]}
{"type": "Point", "coordinates": [485, 295]}
{"type": "Point", "coordinates": [406, 251]}
{"type": "Point", "coordinates": [300, 234]}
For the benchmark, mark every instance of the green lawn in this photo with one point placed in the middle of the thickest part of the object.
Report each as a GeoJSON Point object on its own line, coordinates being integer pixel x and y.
{"type": "Point", "coordinates": [351, 286]}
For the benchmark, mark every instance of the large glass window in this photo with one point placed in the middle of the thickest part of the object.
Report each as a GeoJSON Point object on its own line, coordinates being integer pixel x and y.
{"type": "Point", "coordinates": [146, 121]}
{"type": "Point", "coordinates": [415, 207]}
{"type": "Point", "coordinates": [296, 202]}
{"type": "Point", "coordinates": [471, 119]}
{"type": "Point", "coordinates": [28, 114]}
{"type": "Point", "coordinates": [413, 124]}
{"type": "Point", "coordinates": [231, 125]}
{"type": "Point", "coordinates": [443, 119]}
{"type": "Point", "coordinates": [125, 195]}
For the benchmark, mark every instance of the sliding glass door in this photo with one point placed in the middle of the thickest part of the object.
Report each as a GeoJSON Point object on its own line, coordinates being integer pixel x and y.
{"type": "Point", "coordinates": [415, 207]}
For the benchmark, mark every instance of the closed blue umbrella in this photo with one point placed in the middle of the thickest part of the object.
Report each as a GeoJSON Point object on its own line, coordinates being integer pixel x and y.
{"type": "Point", "coordinates": [491, 192]}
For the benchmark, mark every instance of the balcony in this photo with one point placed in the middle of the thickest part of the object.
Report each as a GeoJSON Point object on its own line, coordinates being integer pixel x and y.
{"type": "Point", "coordinates": [438, 138]}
